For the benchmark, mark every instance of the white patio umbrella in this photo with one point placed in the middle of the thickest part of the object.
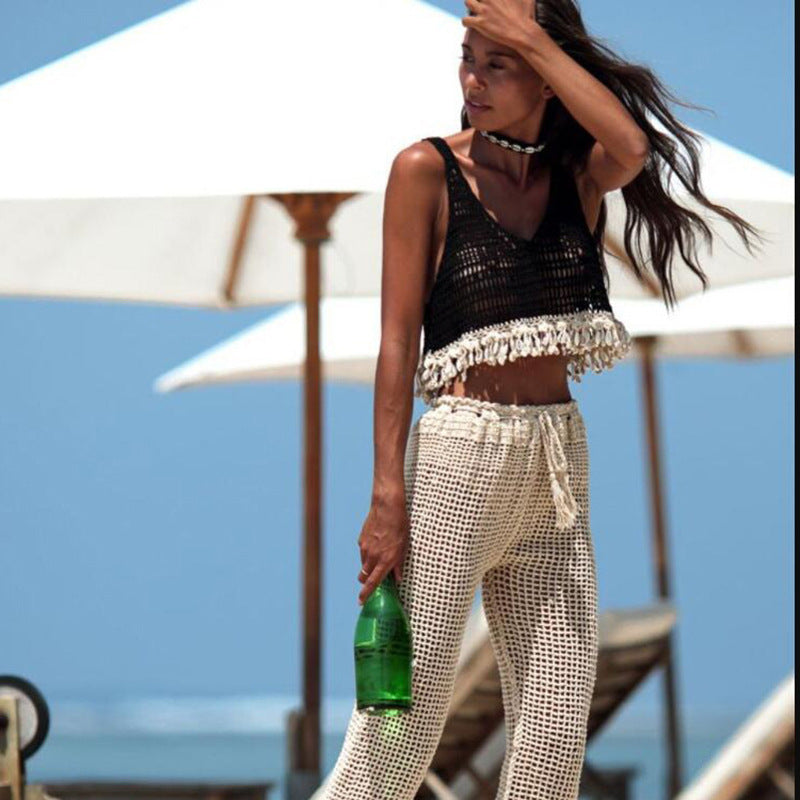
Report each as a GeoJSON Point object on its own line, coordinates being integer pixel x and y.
{"type": "Point", "coordinates": [137, 168]}
{"type": "Point", "coordinates": [232, 97]}
{"type": "Point", "coordinates": [745, 321]}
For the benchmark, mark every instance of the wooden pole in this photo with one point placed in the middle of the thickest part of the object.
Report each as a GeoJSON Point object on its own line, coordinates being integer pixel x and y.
{"type": "Point", "coordinates": [661, 561]}
{"type": "Point", "coordinates": [311, 214]}
{"type": "Point", "coordinates": [647, 344]}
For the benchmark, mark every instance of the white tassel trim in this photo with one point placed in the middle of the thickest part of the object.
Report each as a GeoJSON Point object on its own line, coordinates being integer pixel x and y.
{"type": "Point", "coordinates": [595, 340]}
{"type": "Point", "coordinates": [566, 507]}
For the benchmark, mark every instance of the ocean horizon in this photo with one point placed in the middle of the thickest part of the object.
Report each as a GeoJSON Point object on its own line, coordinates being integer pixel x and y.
{"type": "Point", "coordinates": [242, 739]}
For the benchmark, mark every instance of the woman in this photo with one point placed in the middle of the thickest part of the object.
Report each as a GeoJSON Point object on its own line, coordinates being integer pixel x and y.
{"type": "Point", "coordinates": [493, 249]}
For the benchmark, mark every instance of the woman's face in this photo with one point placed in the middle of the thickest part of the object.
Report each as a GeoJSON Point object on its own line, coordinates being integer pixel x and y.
{"type": "Point", "coordinates": [501, 80]}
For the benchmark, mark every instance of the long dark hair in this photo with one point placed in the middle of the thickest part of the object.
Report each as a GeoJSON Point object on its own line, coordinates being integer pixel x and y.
{"type": "Point", "coordinates": [650, 208]}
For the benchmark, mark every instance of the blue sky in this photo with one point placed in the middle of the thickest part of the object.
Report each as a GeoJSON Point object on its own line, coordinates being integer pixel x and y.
{"type": "Point", "coordinates": [154, 540]}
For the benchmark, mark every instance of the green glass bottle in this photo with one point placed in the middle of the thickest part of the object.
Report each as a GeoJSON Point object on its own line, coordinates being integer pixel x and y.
{"type": "Point", "coordinates": [383, 653]}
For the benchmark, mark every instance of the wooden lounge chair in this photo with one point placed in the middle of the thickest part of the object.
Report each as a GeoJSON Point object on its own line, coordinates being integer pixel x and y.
{"type": "Point", "coordinates": [757, 762]}
{"type": "Point", "coordinates": [467, 763]}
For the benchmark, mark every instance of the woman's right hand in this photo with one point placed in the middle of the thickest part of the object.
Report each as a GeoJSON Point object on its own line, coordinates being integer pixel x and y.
{"type": "Point", "coordinates": [383, 543]}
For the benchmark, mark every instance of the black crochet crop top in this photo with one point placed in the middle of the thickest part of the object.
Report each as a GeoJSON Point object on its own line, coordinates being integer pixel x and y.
{"type": "Point", "coordinates": [499, 297]}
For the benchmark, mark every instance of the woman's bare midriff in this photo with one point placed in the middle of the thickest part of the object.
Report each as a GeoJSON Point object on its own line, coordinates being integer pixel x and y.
{"type": "Point", "coordinates": [529, 380]}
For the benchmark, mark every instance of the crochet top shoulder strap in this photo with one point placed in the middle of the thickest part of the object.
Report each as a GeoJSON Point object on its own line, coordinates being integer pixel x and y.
{"type": "Point", "coordinates": [498, 296]}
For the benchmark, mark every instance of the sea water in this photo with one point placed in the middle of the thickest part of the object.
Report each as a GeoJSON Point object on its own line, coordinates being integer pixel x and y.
{"type": "Point", "coordinates": [261, 758]}
{"type": "Point", "coordinates": [173, 743]}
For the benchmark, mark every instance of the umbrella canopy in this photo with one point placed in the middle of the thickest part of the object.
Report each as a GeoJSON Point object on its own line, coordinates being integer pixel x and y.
{"type": "Point", "coordinates": [229, 97]}
{"type": "Point", "coordinates": [759, 192]}
{"type": "Point", "coordinates": [737, 321]}
{"type": "Point", "coordinates": [181, 251]}
{"type": "Point", "coordinates": [751, 319]}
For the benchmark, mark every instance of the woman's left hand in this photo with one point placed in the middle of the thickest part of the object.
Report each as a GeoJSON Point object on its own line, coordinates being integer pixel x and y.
{"type": "Point", "coordinates": [503, 21]}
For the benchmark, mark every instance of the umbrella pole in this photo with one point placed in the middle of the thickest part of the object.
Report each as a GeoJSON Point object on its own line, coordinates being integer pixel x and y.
{"type": "Point", "coordinates": [311, 213]}
{"type": "Point", "coordinates": [671, 720]}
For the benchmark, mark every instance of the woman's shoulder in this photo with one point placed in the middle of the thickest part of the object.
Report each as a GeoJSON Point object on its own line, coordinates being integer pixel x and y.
{"type": "Point", "coordinates": [422, 148]}
{"type": "Point", "coordinates": [418, 175]}
{"type": "Point", "coordinates": [421, 161]}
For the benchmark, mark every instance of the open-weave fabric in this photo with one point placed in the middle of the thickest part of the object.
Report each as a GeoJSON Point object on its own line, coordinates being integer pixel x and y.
{"type": "Point", "coordinates": [498, 296]}
{"type": "Point", "coordinates": [483, 485]}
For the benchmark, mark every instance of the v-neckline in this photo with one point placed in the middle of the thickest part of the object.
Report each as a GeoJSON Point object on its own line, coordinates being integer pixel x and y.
{"type": "Point", "coordinates": [545, 218]}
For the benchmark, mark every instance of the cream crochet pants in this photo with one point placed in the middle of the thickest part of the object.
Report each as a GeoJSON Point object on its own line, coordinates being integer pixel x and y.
{"type": "Point", "coordinates": [497, 495]}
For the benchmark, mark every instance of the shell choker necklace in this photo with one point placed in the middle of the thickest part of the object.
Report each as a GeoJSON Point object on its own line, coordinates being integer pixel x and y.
{"type": "Point", "coordinates": [510, 143]}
